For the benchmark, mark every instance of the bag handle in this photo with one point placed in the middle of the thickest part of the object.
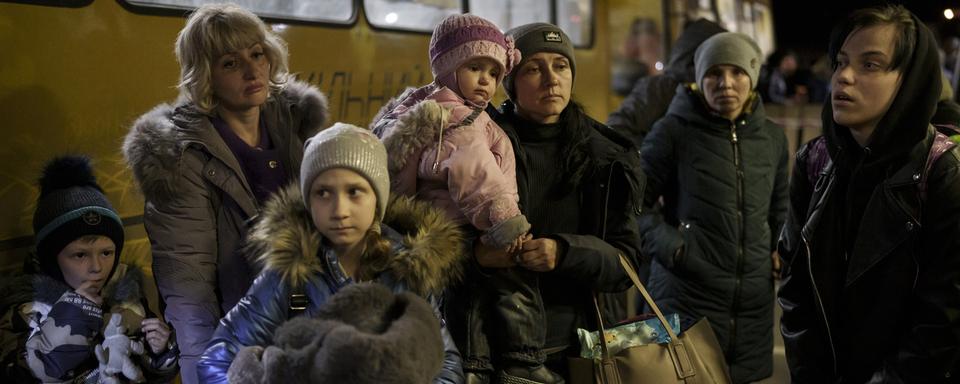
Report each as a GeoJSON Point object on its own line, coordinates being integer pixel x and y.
{"type": "Point", "coordinates": [606, 370]}
{"type": "Point", "coordinates": [678, 351]}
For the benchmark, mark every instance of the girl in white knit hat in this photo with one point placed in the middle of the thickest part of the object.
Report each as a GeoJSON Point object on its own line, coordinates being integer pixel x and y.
{"type": "Point", "coordinates": [334, 228]}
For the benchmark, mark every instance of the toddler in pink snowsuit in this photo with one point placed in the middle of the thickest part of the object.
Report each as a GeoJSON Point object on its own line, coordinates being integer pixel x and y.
{"type": "Point", "coordinates": [444, 148]}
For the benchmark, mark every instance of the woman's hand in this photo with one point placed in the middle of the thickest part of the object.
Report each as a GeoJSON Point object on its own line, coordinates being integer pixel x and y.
{"type": "Point", "coordinates": [539, 255]}
{"type": "Point", "coordinates": [777, 265]}
{"type": "Point", "coordinates": [157, 334]}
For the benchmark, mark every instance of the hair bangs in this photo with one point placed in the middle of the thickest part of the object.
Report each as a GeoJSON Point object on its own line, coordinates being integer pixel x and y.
{"type": "Point", "coordinates": [229, 33]}
{"type": "Point", "coordinates": [213, 31]}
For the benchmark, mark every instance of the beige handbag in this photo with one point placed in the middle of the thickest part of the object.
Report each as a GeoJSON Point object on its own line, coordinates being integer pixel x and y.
{"type": "Point", "coordinates": [693, 357]}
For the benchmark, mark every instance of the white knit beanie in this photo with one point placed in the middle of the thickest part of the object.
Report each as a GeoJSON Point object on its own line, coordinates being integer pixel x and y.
{"type": "Point", "coordinates": [351, 147]}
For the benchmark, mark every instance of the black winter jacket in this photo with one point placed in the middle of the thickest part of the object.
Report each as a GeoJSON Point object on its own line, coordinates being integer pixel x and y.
{"type": "Point", "coordinates": [895, 311]}
{"type": "Point", "coordinates": [610, 202]}
{"type": "Point", "coordinates": [724, 188]}
{"type": "Point", "coordinates": [871, 292]}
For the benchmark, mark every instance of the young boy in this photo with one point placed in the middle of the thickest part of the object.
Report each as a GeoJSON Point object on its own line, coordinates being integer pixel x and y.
{"type": "Point", "coordinates": [55, 318]}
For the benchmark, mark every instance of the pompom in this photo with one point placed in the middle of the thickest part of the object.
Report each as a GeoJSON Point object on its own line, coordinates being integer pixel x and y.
{"type": "Point", "coordinates": [65, 172]}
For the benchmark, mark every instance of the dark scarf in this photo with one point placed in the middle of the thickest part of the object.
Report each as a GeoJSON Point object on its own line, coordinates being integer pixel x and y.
{"type": "Point", "coordinates": [574, 135]}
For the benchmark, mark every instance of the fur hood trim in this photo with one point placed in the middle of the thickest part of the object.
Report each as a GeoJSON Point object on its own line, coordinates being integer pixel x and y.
{"type": "Point", "coordinates": [427, 254]}
{"type": "Point", "coordinates": [413, 124]}
{"type": "Point", "coordinates": [158, 138]}
{"type": "Point", "coordinates": [124, 287]}
{"type": "Point", "coordinates": [412, 132]}
{"type": "Point", "coordinates": [389, 111]}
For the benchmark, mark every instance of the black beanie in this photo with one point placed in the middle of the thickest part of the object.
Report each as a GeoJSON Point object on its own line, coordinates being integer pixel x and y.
{"type": "Point", "coordinates": [71, 205]}
{"type": "Point", "coordinates": [531, 39]}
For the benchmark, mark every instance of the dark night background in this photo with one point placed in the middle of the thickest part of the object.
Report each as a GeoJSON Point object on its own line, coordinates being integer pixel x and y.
{"type": "Point", "coordinates": [804, 25]}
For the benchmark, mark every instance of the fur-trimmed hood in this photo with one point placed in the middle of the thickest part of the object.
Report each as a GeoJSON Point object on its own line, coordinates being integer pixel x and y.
{"type": "Point", "coordinates": [418, 125]}
{"type": "Point", "coordinates": [125, 287]}
{"type": "Point", "coordinates": [427, 255]}
{"type": "Point", "coordinates": [157, 139]}
{"type": "Point", "coordinates": [397, 105]}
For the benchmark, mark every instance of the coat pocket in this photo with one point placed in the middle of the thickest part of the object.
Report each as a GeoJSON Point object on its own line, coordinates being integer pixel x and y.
{"type": "Point", "coordinates": [681, 259]}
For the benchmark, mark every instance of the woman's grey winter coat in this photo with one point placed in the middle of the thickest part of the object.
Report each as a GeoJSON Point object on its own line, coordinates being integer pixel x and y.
{"type": "Point", "coordinates": [198, 204]}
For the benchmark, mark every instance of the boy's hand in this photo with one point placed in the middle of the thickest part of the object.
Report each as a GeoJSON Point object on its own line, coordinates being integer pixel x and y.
{"type": "Point", "coordinates": [157, 334]}
{"type": "Point", "coordinates": [91, 291]}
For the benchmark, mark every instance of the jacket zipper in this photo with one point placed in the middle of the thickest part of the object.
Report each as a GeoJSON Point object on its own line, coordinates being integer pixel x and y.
{"type": "Point", "coordinates": [606, 203]}
{"type": "Point", "coordinates": [735, 308]}
{"type": "Point", "coordinates": [816, 294]}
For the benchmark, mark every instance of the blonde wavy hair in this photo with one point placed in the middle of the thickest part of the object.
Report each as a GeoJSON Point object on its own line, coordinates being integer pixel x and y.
{"type": "Point", "coordinates": [217, 29]}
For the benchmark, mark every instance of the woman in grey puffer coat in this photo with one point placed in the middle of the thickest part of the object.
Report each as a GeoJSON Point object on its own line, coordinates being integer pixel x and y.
{"type": "Point", "coordinates": [721, 168]}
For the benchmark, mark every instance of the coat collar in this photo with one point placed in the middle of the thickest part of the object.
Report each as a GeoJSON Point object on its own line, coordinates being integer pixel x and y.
{"type": "Point", "coordinates": [156, 141]}
{"type": "Point", "coordinates": [892, 215]}
{"type": "Point", "coordinates": [427, 256]}
{"type": "Point", "coordinates": [125, 287]}
{"type": "Point", "coordinates": [689, 105]}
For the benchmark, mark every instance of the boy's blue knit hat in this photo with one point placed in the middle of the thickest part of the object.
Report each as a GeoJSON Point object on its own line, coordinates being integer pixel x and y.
{"type": "Point", "coordinates": [71, 205]}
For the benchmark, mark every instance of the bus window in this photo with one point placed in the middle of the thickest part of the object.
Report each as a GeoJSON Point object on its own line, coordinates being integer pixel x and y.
{"type": "Point", "coordinates": [327, 11]}
{"type": "Point", "coordinates": [575, 17]}
{"type": "Point", "coordinates": [727, 9]}
{"type": "Point", "coordinates": [413, 15]}
{"type": "Point", "coordinates": [507, 14]}
{"type": "Point", "coordinates": [55, 3]}
{"type": "Point", "coordinates": [763, 27]}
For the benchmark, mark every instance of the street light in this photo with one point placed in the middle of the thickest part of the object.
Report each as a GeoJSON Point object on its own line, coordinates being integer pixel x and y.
{"type": "Point", "coordinates": [948, 13]}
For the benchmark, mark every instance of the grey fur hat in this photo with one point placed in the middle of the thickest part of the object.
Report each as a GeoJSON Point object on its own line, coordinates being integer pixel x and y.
{"type": "Point", "coordinates": [363, 334]}
{"type": "Point", "coordinates": [729, 48]}
{"type": "Point", "coordinates": [351, 147]}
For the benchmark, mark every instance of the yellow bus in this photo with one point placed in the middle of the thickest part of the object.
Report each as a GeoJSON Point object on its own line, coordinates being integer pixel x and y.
{"type": "Point", "coordinates": [76, 73]}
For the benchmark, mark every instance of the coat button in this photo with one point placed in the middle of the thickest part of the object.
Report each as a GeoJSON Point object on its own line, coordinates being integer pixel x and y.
{"type": "Point", "coordinates": [272, 164]}
{"type": "Point", "coordinates": [910, 226]}
{"type": "Point", "coordinates": [212, 172]}
{"type": "Point", "coordinates": [916, 176]}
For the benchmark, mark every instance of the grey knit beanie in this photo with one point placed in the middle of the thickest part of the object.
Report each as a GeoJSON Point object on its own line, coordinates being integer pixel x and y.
{"type": "Point", "coordinates": [351, 147]}
{"type": "Point", "coordinates": [728, 48]}
{"type": "Point", "coordinates": [531, 39]}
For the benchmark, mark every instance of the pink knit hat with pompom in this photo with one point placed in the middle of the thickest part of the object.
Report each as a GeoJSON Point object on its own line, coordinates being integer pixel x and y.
{"type": "Point", "coordinates": [459, 38]}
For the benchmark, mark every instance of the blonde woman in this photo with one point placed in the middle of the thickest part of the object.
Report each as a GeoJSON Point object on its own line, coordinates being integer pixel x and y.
{"type": "Point", "coordinates": [207, 162]}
